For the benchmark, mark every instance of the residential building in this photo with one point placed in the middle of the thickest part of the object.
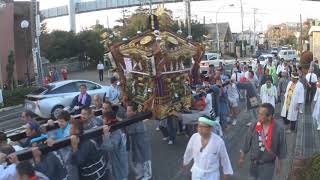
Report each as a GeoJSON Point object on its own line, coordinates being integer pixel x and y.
{"type": "Point", "coordinates": [13, 38]}
{"type": "Point", "coordinates": [225, 37]}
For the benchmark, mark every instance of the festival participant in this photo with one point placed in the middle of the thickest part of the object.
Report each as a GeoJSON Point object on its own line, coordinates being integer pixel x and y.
{"type": "Point", "coordinates": [140, 146]}
{"type": "Point", "coordinates": [114, 143]}
{"type": "Point", "coordinates": [266, 140]}
{"type": "Point", "coordinates": [311, 79]}
{"type": "Point", "coordinates": [64, 126]}
{"type": "Point", "coordinates": [294, 98]}
{"type": "Point", "coordinates": [237, 74]}
{"type": "Point", "coordinates": [316, 110]}
{"type": "Point", "coordinates": [82, 100]}
{"type": "Point", "coordinates": [282, 86]}
{"type": "Point", "coordinates": [100, 68]}
{"type": "Point", "coordinates": [64, 73]}
{"type": "Point", "coordinates": [51, 164]}
{"type": "Point", "coordinates": [113, 92]}
{"type": "Point", "coordinates": [26, 171]}
{"type": "Point", "coordinates": [86, 155]}
{"type": "Point", "coordinates": [264, 77]}
{"type": "Point", "coordinates": [258, 69]}
{"type": "Point", "coordinates": [268, 92]}
{"type": "Point", "coordinates": [62, 132]}
{"type": "Point", "coordinates": [26, 116]}
{"type": "Point", "coordinates": [89, 120]}
{"type": "Point", "coordinates": [252, 99]}
{"type": "Point", "coordinates": [208, 152]}
{"type": "Point", "coordinates": [97, 102]}
{"type": "Point", "coordinates": [233, 97]}
{"type": "Point", "coordinates": [223, 105]}
{"type": "Point", "coordinates": [4, 141]}
{"type": "Point", "coordinates": [55, 74]}
{"type": "Point", "coordinates": [33, 134]}
{"type": "Point", "coordinates": [8, 162]}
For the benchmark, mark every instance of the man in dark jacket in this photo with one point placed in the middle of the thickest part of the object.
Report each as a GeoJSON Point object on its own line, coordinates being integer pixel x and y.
{"type": "Point", "coordinates": [81, 101]}
{"type": "Point", "coordinates": [50, 164]}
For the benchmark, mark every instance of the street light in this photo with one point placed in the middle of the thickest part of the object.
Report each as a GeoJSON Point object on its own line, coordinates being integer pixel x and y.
{"type": "Point", "coordinates": [24, 26]}
{"type": "Point", "coordinates": [242, 38]}
{"type": "Point", "coordinates": [217, 27]}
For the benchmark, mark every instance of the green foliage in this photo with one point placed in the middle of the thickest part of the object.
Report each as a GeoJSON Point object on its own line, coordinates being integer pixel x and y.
{"type": "Point", "coordinates": [10, 70]}
{"type": "Point", "coordinates": [91, 45]}
{"type": "Point", "coordinates": [59, 44]}
{"type": "Point", "coordinates": [16, 96]}
{"type": "Point", "coordinates": [312, 169]}
{"type": "Point", "coordinates": [291, 40]}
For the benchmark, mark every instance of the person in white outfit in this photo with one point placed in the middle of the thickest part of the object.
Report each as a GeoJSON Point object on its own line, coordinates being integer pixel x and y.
{"type": "Point", "coordinates": [316, 109]}
{"type": "Point", "coordinates": [208, 152]}
{"type": "Point", "coordinates": [268, 92]}
{"type": "Point", "coordinates": [294, 98]}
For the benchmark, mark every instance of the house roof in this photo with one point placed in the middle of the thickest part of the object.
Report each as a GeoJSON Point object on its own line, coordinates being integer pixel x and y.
{"type": "Point", "coordinates": [224, 30]}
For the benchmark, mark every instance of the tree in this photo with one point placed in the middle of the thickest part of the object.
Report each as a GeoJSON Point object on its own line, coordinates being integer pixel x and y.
{"type": "Point", "coordinates": [10, 71]}
{"type": "Point", "coordinates": [91, 46]}
{"type": "Point", "coordinates": [60, 45]}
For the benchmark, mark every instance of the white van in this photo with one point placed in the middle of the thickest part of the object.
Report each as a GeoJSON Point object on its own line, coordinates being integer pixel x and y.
{"type": "Point", "coordinates": [287, 55]}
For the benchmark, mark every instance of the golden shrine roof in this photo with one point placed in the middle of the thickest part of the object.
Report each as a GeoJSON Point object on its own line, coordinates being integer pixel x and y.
{"type": "Point", "coordinates": [169, 43]}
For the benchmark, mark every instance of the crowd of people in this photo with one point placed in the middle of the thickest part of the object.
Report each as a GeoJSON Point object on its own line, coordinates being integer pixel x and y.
{"type": "Point", "coordinates": [216, 107]}
{"type": "Point", "coordinates": [54, 75]}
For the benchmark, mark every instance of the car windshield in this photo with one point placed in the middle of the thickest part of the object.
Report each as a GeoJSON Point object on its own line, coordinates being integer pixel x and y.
{"type": "Point", "coordinates": [42, 90]}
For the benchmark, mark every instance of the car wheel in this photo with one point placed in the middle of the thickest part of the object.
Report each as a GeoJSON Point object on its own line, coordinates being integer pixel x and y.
{"type": "Point", "coordinates": [56, 111]}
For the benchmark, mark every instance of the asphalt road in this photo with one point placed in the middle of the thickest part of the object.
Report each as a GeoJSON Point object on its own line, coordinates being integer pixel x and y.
{"type": "Point", "coordinates": [167, 159]}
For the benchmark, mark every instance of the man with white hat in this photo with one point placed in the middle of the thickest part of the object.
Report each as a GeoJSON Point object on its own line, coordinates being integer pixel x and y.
{"type": "Point", "coordinates": [294, 98]}
{"type": "Point", "coordinates": [208, 152]}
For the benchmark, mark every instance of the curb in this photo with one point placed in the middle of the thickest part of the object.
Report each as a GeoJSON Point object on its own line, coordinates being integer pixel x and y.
{"type": "Point", "coordinates": [11, 107]}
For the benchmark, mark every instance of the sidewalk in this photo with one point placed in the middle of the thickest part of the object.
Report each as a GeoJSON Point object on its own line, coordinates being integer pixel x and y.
{"type": "Point", "coordinates": [91, 75]}
{"type": "Point", "coordinates": [307, 142]}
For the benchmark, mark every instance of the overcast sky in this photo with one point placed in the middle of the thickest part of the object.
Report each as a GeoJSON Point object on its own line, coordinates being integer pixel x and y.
{"type": "Point", "coordinates": [269, 12]}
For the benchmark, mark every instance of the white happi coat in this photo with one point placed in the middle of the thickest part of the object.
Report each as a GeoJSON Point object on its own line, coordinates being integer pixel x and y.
{"type": "Point", "coordinates": [297, 98]}
{"type": "Point", "coordinates": [206, 163]}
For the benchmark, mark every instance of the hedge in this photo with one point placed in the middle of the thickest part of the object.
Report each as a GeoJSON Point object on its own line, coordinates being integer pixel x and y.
{"type": "Point", "coordinates": [16, 96]}
{"type": "Point", "coordinates": [311, 170]}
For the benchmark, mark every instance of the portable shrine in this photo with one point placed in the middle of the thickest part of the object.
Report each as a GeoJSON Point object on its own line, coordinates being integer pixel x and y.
{"type": "Point", "coordinates": [155, 69]}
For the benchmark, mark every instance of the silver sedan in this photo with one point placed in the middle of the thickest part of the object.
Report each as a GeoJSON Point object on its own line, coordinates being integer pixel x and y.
{"type": "Point", "coordinates": [47, 102]}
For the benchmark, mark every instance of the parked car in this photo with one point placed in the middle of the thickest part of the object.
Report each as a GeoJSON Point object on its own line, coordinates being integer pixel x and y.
{"type": "Point", "coordinates": [274, 51]}
{"type": "Point", "coordinates": [286, 55]}
{"type": "Point", "coordinates": [209, 59]}
{"type": "Point", "coordinates": [49, 101]}
{"type": "Point", "coordinates": [265, 57]}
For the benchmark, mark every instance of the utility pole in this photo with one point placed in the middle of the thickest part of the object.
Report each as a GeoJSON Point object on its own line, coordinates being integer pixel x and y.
{"type": "Point", "coordinates": [35, 34]}
{"type": "Point", "coordinates": [254, 28]}
{"type": "Point", "coordinates": [301, 35]}
{"type": "Point", "coordinates": [188, 16]}
{"type": "Point", "coordinates": [242, 38]}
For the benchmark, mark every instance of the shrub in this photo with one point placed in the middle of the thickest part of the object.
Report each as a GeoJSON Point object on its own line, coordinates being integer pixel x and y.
{"type": "Point", "coordinates": [16, 96]}
{"type": "Point", "coordinates": [311, 170]}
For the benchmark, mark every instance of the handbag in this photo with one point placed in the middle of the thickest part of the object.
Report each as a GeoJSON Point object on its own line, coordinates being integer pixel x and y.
{"type": "Point", "coordinates": [254, 102]}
